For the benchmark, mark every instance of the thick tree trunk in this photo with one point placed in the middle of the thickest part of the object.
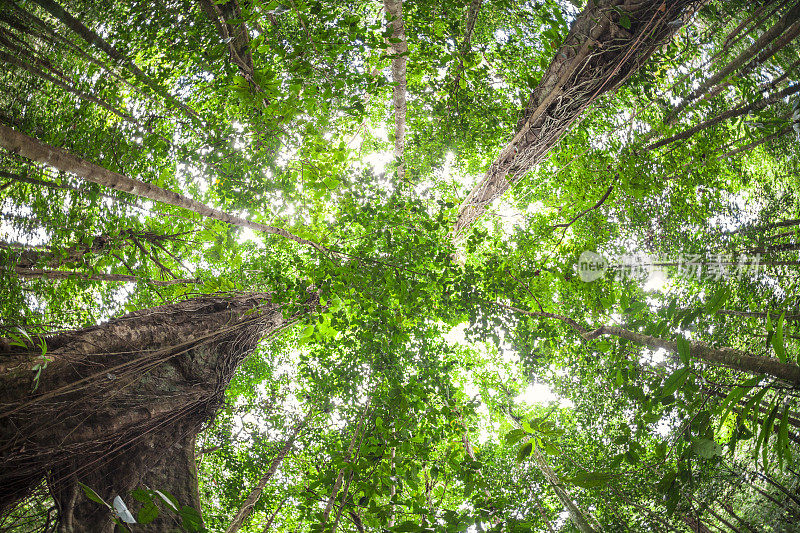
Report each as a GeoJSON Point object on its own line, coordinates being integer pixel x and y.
{"type": "Point", "coordinates": [602, 50]}
{"type": "Point", "coordinates": [35, 150]}
{"type": "Point", "coordinates": [118, 405]}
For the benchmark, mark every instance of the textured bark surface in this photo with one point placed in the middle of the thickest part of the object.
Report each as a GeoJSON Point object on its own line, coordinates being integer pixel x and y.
{"type": "Point", "coordinates": [119, 405]}
{"type": "Point", "coordinates": [600, 52]}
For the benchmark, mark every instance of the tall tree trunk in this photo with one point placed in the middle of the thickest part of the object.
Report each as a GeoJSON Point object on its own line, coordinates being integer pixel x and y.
{"type": "Point", "coordinates": [227, 18]}
{"type": "Point", "coordinates": [347, 457]}
{"type": "Point", "coordinates": [581, 519]}
{"type": "Point", "coordinates": [118, 405]}
{"type": "Point", "coordinates": [601, 51]}
{"type": "Point", "coordinates": [732, 113]}
{"type": "Point", "coordinates": [472, 16]}
{"type": "Point", "coordinates": [758, 52]}
{"type": "Point", "coordinates": [255, 494]}
{"type": "Point", "coordinates": [398, 51]}
{"type": "Point", "coordinates": [38, 273]}
{"type": "Point", "coordinates": [91, 37]}
{"type": "Point", "coordinates": [724, 356]}
{"type": "Point", "coordinates": [35, 150]}
{"type": "Point", "coordinates": [51, 257]}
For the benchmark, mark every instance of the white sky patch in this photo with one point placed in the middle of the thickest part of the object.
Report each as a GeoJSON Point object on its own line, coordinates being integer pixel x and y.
{"type": "Point", "coordinates": [656, 280]}
{"type": "Point", "coordinates": [540, 394]}
{"type": "Point", "coordinates": [380, 133]}
{"type": "Point", "coordinates": [249, 235]}
{"type": "Point", "coordinates": [378, 161]}
{"type": "Point", "coordinates": [448, 165]}
{"type": "Point", "coordinates": [510, 218]}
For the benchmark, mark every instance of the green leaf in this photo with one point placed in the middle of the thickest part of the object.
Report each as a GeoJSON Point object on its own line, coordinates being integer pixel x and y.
{"type": "Point", "coordinates": [754, 401]}
{"type": "Point", "coordinates": [524, 451]}
{"type": "Point", "coordinates": [706, 448]}
{"type": "Point", "coordinates": [191, 519]}
{"type": "Point", "coordinates": [777, 340]}
{"type": "Point", "coordinates": [783, 438]}
{"type": "Point", "coordinates": [142, 495]}
{"type": "Point", "coordinates": [590, 480]}
{"type": "Point", "coordinates": [408, 526]}
{"type": "Point", "coordinates": [514, 436]}
{"type": "Point", "coordinates": [92, 495]}
{"type": "Point", "coordinates": [733, 398]}
{"type": "Point", "coordinates": [684, 349]}
{"type": "Point", "coordinates": [675, 381]}
{"type": "Point", "coordinates": [551, 449]}
{"type": "Point", "coordinates": [666, 482]}
{"type": "Point", "coordinates": [147, 513]}
{"type": "Point", "coordinates": [306, 334]}
{"type": "Point", "coordinates": [766, 431]}
{"type": "Point", "coordinates": [716, 302]}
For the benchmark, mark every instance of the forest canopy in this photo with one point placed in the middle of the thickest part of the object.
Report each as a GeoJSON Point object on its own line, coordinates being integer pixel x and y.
{"type": "Point", "coordinates": [366, 266]}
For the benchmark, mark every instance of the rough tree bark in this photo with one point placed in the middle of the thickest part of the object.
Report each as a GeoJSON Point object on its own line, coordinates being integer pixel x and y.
{"type": "Point", "coordinates": [601, 51]}
{"type": "Point", "coordinates": [119, 404]}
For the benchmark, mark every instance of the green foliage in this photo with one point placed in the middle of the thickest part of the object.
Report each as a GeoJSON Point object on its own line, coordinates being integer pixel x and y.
{"type": "Point", "coordinates": [418, 360]}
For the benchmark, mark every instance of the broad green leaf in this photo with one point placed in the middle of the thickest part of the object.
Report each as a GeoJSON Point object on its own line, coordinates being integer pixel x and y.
{"type": "Point", "coordinates": [706, 448]}
{"type": "Point", "coordinates": [147, 513]}
{"type": "Point", "coordinates": [191, 519]}
{"type": "Point", "coordinates": [514, 436]}
{"type": "Point", "coordinates": [92, 495]}
{"type": "Point", "coordinates": [777, 340]}
{"type": "Point", "coordinates": [684, 349]}
{"type": "Point", "coordinates": [675, 381]}
{"type": "Point", "coordinates": [524, 451]}
{"type": "Point", "coordinates": [733, 398]}
{"type": "Point", "coordinates": [766, 432]}
{"type": "Point", "coordinates": [716, 301]}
